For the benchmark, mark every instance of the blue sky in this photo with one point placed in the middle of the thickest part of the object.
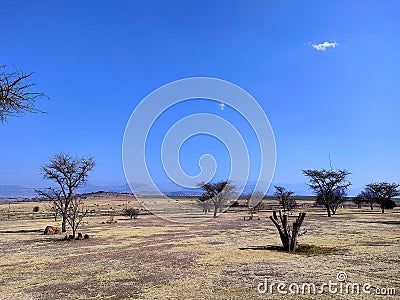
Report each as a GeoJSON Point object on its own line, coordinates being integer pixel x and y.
{"type": "Point", "coordinates": [98, 60]}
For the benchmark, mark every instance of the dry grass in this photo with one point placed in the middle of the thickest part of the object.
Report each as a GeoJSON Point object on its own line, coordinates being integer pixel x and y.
{"type": "Point", "coordinates": [225, 258]}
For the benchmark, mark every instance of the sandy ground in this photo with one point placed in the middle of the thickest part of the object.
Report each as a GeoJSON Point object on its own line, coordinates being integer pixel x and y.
{"type": "Point", "coordinates": [223, 258]}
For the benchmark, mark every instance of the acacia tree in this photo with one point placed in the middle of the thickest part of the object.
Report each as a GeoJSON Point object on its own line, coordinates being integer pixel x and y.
{"type": "Point", "coordinates": [338, 197]}
{"type": "Point", "coordinates": [329, 186]}
{"type": "Point", "coordinates": [16, 94]}
{"type": "Point", "coordinates": [68, 173]}
{"type": "Point", "coordinates": [218, 194]}
{"type": "Point", "coordinates": [381, 193]}
{"type": "Point", "coordinates": [365, 196]}
{"type": "Point", "coordinates": [284, 198]}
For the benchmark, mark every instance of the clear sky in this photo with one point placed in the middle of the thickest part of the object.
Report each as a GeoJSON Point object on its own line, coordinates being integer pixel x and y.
{"type": "Point", "coordinates": [98, 59]}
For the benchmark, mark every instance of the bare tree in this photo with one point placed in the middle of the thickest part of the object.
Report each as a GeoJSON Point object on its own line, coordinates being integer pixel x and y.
{"type": "Point", "coordinates": [253, 206]}
{"type": "Point", "coordinates": [131, 212]}
{"type": "Point", "coordinates": [288, 234]}
{"type": "Point", "coordinates": [381, 193]}
{"type": "Point", "coordinates": [330, 187]}
{"type": "Point", "coordinates": [68, 173]}
{"type": "Point", "coordinates": [54, 210]}
{"type": "Point", "coordinates": [205, 205]}
{"type": "Point", "coordinates": [75, 213]}
{"type": "Point", "coordinates": [16, 95]}
{"type": "Point", "coordinates": [218, 194]}
{"type": "Point", "coordinates": [254, 209]}
{"type": "Point", "coordinates": [284, 198]}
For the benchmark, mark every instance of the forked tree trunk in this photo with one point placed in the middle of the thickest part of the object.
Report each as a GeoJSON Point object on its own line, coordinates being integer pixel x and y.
{"type": "Point", "coordinates": [288, 234]}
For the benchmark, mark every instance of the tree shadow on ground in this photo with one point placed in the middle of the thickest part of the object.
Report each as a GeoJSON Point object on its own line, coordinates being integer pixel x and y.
{"type": "Point", "coordinates": [302, 249]}
{"type": "Point", "coordinates": [22, 231]}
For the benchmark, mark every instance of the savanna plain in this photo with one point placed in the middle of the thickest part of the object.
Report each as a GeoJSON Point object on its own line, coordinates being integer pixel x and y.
{"type": "Point", "coordinates": [222, 258]}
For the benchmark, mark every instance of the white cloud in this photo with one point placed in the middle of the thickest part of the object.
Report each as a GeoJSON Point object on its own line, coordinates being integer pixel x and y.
{"type": "Point", "coordinates": [324, 45]}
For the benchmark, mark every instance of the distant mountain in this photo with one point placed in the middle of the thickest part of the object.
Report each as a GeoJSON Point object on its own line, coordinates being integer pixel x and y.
{"type": "Point", "coordinates": [91, 188]}
{"type": "Point", "coordinates": [14, 192]}
{"type": "Point", "coordinates": [184, 193]}
{"type": "Point", "coordinates": [300, 188]}
{"type": "Point", "coordinates": [17, 191]}
{"type": "Point", "coordinates": [297, 188]}
{"type": "Point", "coordinates": [136, 188]}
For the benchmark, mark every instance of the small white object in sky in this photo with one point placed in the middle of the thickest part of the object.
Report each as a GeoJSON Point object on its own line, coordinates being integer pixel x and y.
{"type": "Point", "coordinates": [324, 45]}
{"type": "Point", "coordinates": [221, 105]}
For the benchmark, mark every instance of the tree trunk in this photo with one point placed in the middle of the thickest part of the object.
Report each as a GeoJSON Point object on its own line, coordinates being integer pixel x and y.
{"type": "Point", "coordinates": [329, 211]}
{"type": "Point", "coordinates": [215, 211]}
{"type": "Point", "coordinates": [332, 208]}
{"type": "Point", "coordinates": [383, 207]}
{"type": "Point", "coordinates": [288, 235]}
{"type": "Point", "coordinates": [284, 238]}
{"type": "Point", "coordinates": [295, 231]}
{"type": "Point", "coordinates": [64, 223]}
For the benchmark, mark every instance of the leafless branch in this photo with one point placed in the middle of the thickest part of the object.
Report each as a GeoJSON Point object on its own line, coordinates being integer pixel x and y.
{"type": "Point", "coordinates": [16, 94]}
